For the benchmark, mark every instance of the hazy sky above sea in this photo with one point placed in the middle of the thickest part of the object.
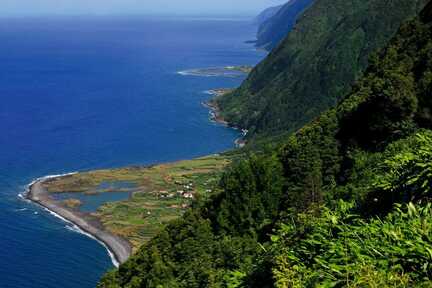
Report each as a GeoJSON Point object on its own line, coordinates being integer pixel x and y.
{"type": "Point", "coordinates": [187, 7]}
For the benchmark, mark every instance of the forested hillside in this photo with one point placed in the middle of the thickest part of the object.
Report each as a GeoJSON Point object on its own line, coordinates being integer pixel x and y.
{"type": "Point", "coordinates": [315, 65]}
{"type": "Point", "coordinates": [344, 203]}
{"type": "Point", "coordinates": [272, 31]}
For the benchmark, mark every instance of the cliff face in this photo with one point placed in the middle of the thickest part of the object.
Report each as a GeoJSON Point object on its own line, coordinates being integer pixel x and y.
{"type": "Point", "coordinates": [267, 14]}
{"type": "Point", "coordinates": [315, 64]}
{"type": "Point", "coordinates": [275, 28]}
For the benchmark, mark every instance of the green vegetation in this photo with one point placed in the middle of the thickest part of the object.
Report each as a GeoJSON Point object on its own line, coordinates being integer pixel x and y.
{"type": "Point", "coordinates": [142, 217]}
{"type": "Point", "coordinates": [243, 68]}
{"type": "Point", "coordinates": [341, 249]}
{"type": "Point", "coordinates": [315, 66]}
{"type": "Point", "coordinates": [72, 203]}
{"type": "Point", "coordinates": [344, 202]}
{"type": "Point", "coordinates": [160, 193]}
{"type": "Point", "coordinates": [281, 21]}
{"type": "Point", "coordinates": [220, 91]}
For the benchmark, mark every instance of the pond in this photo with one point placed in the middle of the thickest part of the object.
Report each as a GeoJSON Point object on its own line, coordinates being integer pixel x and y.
{"type": "Point", "coordinates": [104, 193]}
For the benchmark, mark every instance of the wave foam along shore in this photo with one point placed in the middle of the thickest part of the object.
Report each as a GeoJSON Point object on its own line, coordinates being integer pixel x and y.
{"type": "Point", "coordinates": [24, 197]}
{"type": "Point", "coordinates": [75, 228]}
{"type": "Point", "coordinates": [118, 248]}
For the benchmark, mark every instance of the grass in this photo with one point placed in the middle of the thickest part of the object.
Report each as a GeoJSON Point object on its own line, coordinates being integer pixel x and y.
{"type": "Point", "coordinates": [243, 68]}
{"type": "Point", "coordinates": [72, 203]}
{"type": "Point", "coordinates": [159, 193]}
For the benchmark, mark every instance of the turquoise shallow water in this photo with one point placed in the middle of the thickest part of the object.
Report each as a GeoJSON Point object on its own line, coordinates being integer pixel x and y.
{"type": "Point", "coordinates": [79, 94]}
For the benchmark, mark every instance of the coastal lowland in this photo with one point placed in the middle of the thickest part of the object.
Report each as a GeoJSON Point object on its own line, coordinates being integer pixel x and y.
{"type": "Point", "coordinates": [227, 71]}
{"type": "Point", "coordinates": [242, 68]}
{"type": "Point", "coordinates": [119, 247]}
{"type": "Point", "coordinates": [155, 195]}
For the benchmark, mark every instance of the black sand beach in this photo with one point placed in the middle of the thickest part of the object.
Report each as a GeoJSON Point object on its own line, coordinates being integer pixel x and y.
{"type": "Point", "coordinates": [120, 248]}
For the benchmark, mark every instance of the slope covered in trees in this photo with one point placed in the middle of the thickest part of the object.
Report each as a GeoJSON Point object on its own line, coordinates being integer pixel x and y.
{"type": "Point", "coordinates": [272, 31]}
{"type": "Point", "coordinates": [344, 203]}
{"type": "Point", "coordinates": [316, 64]}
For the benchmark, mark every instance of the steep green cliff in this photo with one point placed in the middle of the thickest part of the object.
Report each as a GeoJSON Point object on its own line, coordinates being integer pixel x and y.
{"type": "Point", "coordinates": [272, 31]}
{"type": "Point", "coordinates": [315, 65]}
{"type": "Point", "coordinates": [344, 203]}
{"type": "Point", "coordinates": [266, 14]}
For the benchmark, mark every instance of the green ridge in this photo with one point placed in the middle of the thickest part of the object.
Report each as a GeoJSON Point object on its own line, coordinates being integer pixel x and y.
{"type": "Point", "coordinates": [272, 31]}
{"type": "Point", "coordinates": [315, 65]}
{"type": "Point", "coordinates": [344, 202]}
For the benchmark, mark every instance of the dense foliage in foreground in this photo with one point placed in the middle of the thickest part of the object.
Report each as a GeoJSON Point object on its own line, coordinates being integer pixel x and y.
{"type": "Point", "coordinates": [343, 249]}
{"type": "Point", "coordinates": [316, 64]}
{"type": "Point", "coordinates": [345, 202]}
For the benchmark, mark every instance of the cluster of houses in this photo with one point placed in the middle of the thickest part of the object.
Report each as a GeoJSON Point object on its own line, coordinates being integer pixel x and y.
{"type": "Point", "coordinates": [186, 191]}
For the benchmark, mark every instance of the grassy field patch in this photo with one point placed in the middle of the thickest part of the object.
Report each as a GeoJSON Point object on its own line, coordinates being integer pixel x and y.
{"type": "Point", "coordinates": [160, 193]}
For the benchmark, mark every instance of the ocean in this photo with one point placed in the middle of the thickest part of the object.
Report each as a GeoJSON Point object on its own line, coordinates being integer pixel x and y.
{"type": "Point", "coordinates": [82, 93]}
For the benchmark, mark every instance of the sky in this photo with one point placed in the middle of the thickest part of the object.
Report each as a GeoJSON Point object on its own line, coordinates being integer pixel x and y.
{"type": "Point", "coordinates": [167, 7]}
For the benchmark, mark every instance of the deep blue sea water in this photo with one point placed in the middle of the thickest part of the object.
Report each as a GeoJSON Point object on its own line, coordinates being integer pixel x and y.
{"type": "Point", "coordinates": [80, 93]}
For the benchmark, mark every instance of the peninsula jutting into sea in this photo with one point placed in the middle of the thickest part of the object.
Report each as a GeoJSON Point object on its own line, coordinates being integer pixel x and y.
{"type": "Point", "coordinates": [159, 192]}
{"type": "Point", "coordinates": [119, 247]}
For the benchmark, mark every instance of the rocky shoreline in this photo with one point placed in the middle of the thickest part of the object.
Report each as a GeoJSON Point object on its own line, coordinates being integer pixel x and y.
{"type": "Point", "coordinates": [215, 114]}
{"type": "Point", "coordinates": [120, 248]}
